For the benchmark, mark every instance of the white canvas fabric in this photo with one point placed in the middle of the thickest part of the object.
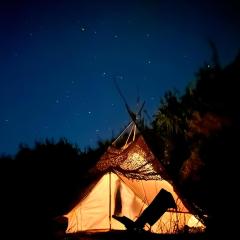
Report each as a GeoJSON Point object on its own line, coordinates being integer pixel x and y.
{"type": "Point", "coordinates": [96, 210]}
{"type": "Point", "coordinates": [131, 179]}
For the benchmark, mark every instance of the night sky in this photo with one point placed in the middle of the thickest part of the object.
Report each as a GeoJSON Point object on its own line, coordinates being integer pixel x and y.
{"type": "Point", "coordinates": [59, 60]}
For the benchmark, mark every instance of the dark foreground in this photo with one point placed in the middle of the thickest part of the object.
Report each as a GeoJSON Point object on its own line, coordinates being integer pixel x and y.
{"type": "Point", "coordinates": [126, 235]}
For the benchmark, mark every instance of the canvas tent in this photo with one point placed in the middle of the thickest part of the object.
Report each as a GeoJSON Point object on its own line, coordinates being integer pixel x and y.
{"type": "Point", "coordinates": [131, 178]}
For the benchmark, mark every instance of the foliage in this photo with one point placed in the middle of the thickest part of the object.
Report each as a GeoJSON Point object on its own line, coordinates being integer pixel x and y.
{"type": "Point", "coordinates": [170, 115]}
{"type": "Point", "coordinates": [42, 182]}
{"type": "Point", "coordinates": [199, 131]}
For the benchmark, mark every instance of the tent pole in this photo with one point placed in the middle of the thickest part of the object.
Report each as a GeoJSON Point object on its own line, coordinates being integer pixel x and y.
{"type": "Point", "coordinates": [110, 201]}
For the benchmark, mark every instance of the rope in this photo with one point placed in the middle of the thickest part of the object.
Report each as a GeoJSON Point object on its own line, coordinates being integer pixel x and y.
{"type": "Point", "coordinates": [128, 137]}
{"type": "Point", "coordinates": [122, 132]}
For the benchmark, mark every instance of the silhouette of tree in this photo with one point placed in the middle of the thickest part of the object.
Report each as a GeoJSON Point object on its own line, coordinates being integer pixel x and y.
{"type": "Point", "coordinates": [170, 124]}
{"type": "Point", "coordinates": [42, 182]}
{"type": "Point", "coordinates": [200, 131]}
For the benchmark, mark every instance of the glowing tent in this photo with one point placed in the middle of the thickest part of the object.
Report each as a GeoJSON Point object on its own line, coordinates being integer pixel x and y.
{"type": "Point", "coordinates": [131, 179]}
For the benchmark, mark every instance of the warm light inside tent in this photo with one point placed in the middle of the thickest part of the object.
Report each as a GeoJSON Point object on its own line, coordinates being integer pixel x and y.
{"type": "Point", "coordinates": [134, 159]}
{"type": "Point", "coordinates": [194, 222]}
{"type": "Point", "coordinates": [95, 211]}
{"type": "Point", "coordinates": [135, 179]}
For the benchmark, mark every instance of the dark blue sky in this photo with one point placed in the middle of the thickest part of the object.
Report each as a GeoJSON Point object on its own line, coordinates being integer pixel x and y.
{"type": "Point", "coordinates": [59, 59]}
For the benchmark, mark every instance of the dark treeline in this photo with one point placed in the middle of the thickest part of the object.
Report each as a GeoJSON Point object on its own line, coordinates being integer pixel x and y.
{"type": "Point", "coordinates": [41, 183]}
{"type": "Point", "coordinates": [199, 136]}
{"type": "Point", "coordinates": [195, 135]}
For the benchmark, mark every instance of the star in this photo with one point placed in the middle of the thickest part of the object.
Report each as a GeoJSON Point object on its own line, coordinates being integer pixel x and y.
{"type": "Point", "coordinates": [57, 101]}
{"type": "Point", "coordinates": [120, 77]}
{"type": "Point", "coordinates": [115, 36]}
{"type": "Point", "coordinates": [83, 29]}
